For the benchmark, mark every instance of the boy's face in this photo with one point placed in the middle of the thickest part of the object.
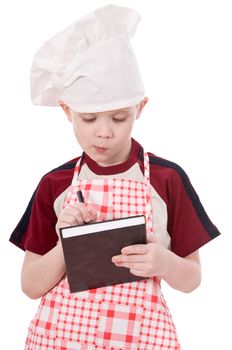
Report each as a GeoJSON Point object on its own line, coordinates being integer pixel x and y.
{"type": "Point", "coordinates": [105, 136]}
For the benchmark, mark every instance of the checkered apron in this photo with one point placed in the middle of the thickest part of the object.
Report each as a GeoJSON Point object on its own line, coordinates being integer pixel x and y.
{"type": "Point", "coordinates": [125, 316]}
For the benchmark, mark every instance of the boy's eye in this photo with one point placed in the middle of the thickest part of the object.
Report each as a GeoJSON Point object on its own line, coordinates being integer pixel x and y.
{"type": "Point", "coordinates": [119, 119]}
{"type": "Point", "coordinates": [88, 120]}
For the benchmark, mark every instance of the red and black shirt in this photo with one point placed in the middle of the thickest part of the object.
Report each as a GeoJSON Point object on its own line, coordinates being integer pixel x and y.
{"type": "Point", "coordinates": [179, 218]}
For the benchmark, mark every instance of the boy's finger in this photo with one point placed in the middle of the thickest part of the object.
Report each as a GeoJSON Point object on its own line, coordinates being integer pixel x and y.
{"type": "Point", "coordinates": [69, 219]}
{"type": "Point", "coordinates": [136, 258]}
{"type": "Point", "coordinates": [135, 249]}
{"type": "Point", "coordinates": [93, 214]}
{"type": "Point", "coordinates": [86, 215]}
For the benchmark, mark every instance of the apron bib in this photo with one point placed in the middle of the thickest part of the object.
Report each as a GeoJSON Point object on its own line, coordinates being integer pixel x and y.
{"type": "Point", "coordinates": [125, 316]}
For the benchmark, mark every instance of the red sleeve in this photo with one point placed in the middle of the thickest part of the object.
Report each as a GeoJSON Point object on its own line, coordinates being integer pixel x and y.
{"type": "Point", "coordinates": [188, 224]}
{"type": "Point", "coordinates": [40, 236]}
{"type": "Point", "coordinates": [36, 229]}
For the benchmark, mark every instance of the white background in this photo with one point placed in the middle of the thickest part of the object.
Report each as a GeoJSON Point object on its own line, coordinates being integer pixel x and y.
{"type": "Point", "coordinates": [184, 52]}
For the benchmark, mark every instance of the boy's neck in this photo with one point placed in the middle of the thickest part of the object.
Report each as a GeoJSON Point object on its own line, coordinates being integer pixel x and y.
{"type": "Point", "coordinates": [110, 169]}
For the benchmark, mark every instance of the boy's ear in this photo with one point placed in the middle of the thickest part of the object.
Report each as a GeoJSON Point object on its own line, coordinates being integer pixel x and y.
{"type": "Point", "coordinates": [66, 110]}
{"type": "Point", "coordinates": [140, 107]}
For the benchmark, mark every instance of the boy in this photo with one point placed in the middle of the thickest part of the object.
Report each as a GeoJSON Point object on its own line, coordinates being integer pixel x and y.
{"type": "Point", "coordinates": [90, 70]}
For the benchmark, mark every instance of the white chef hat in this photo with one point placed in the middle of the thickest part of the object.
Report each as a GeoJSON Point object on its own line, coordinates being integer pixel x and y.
{"type": "Point", "coordinates": [90, 65]}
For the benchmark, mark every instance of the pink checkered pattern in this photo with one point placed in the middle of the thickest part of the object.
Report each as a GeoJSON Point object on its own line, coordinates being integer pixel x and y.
{"type": "Point", "coordinates": [36, 341]}
{"type": "Point", "coordinates": [132, 202]}
{"type": "Point", "coordinates": [97, 196]}
{"type": "Point", "coordinates": [158, 331]}
{"type": "Point", "coordinates": [78, 320]}
{"type": "Point", "coordinates": [126, 293]}
{"type": "Point", "coordinates": [119, 326]}
{"type": "Point", "coordinates": [131, 316]}
{"type": "Point", "coordinates": [45, 320]}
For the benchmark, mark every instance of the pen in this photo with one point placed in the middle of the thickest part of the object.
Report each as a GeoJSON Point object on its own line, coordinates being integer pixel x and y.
{"type": "Point", "coordinates": [80, 196]}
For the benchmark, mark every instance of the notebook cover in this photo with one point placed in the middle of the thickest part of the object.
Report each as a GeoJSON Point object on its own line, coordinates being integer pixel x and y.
{"type": "Point", "coordinates": [88, 257]}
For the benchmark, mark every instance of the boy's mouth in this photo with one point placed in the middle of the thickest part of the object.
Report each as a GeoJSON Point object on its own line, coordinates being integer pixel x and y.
{"type": "Point", "coordinates": [100, 149]}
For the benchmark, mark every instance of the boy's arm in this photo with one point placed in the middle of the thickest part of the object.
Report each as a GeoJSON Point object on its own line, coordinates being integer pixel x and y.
{"type": "Point", "coordinates": [183, 274]}
{"type": "Point", "coordinates": [40, 273]}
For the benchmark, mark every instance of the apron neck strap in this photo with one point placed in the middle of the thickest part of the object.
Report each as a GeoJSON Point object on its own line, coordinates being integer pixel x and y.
{"type": "Point", "coordinates": [146, 169]}
{"type": "Point", "coordinates": [77, 170]}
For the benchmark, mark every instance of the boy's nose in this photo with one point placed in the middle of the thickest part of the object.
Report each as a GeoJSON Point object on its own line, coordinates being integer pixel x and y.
{"type": "Point", "coordinates": [104, 131]}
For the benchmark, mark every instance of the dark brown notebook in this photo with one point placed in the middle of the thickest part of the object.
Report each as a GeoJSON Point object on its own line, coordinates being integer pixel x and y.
{"type": "Point", "coordinates": [88, 250]}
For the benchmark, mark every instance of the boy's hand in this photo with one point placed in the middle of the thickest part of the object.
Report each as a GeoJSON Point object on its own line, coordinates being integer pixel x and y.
{"type": "Point", "coordinates": [77, 215]}
{"type": "Point", "coordinates": [144, 260]}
